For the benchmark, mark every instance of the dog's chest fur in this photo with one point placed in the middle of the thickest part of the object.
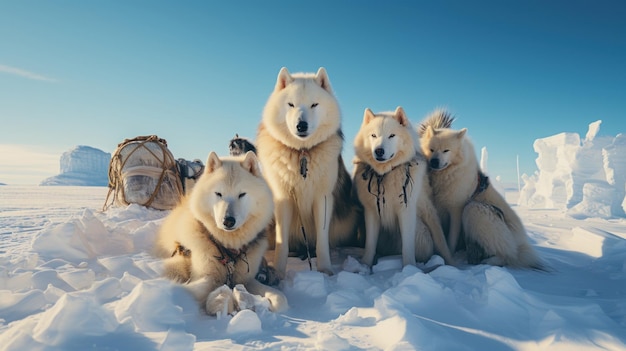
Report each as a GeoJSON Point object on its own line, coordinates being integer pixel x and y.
{"type": "Point", "coordinates": [283, 167]}
{"type": "Point", "coordinates": [391, 195]}
{"type": "Point", "coordinates": [234, 266]}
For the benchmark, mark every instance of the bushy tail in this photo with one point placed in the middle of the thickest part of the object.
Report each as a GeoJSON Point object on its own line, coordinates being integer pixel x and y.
{"type": "Point", "coordinates": [439, 118]}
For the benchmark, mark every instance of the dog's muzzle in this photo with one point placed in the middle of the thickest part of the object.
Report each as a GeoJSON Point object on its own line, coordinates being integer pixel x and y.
{"type": "Point", "coordinates": [379, 155]}
{"type": "Point", "coordinates": [229, 222]}
{"type": "Point", "coordinates": [434, 164]}
{"type": "Point", "coordinates": [303, 128]}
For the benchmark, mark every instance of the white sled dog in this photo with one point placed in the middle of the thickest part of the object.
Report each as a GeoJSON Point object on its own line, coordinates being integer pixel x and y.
{"type": "Point", "coordinates": [299, 144]}
{"type": "Point", "coordinates": [471, 210]}
{"type": "Point", "coordinates": [391, 182]}
{"type": "Point", "coordinates": [215, 238]}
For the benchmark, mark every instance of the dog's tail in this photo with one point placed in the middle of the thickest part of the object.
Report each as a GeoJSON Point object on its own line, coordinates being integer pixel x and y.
{"type": "Point", "coordinates": [440, 118]}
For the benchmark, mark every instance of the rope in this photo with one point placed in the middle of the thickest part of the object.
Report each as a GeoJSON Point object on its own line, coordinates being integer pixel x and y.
{"type": "Point", "coordinates": [229, 258]}
{"type": "Point", "coordinates": [115, 182]}
{"type": "Point", "coordinates": [380, 188]}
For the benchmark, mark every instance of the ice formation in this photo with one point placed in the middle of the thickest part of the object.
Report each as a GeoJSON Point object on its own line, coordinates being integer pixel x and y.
{"type": "Point", "coordinates": [82, 166]}
{"type": "Point", "coordinates": [587, 177]}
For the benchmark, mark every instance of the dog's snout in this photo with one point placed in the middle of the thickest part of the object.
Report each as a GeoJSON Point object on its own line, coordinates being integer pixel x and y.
{"type": "Point", "coordinates": [434, 163]}
{"type": "Point", "coordinates": [379, 152]}
{"type": "Point", "coordinates": [302, 126]}
{"type": "Point", "coordinates": [229, 222]}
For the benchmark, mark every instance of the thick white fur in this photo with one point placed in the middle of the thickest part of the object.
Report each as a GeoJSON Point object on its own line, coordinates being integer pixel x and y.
{"type": "Point", "coordinates": [304, 202]}
{"type": "Point", "coordinates": [388, 146]}
{"type": "Point", "coordinates": [454, 178]}
{"type": "Point", "coordinates": [230, 187]}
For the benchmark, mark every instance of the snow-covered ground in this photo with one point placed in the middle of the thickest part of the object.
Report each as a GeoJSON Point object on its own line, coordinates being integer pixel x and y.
{"type": "Point", "coordinates": [75, 278]}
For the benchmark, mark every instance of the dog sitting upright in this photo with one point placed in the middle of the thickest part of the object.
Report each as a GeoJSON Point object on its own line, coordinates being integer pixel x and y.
{"type": "Point", "coordinates": [391, 183]}
{"type": "Point", "coordinates": [471, 210]}
{"type": "Point", "coordinates": [299, 144]}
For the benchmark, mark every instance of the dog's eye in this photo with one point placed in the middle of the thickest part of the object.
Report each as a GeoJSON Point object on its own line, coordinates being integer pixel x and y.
{"type": "Point", "coordinates": [446, 150]}
{"type": "Point", "coordinates": [242, 195]}
{"type": "Point", "coordinates": [290, 104]}
{"type": "Point", "coordinates": [373, 135]}
{"type": "Point", "coordinates": [314, 104]}
{"type": "Point", "coordinates": [431, 150]}
{"type": "Point", "coordinates": [391, 136]}
{"type": "Point", "coordinates": [218, 194]}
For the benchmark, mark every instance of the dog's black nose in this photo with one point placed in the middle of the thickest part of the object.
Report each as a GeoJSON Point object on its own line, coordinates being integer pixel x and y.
{"type": "Point", "coordinates": [434, 163]}
{"type": "Point", "coordinates": [302, 126]}
{"type": "Point", "coordinates": [379, 152]}
{"type": "Point", "coordinates": [229, 222]}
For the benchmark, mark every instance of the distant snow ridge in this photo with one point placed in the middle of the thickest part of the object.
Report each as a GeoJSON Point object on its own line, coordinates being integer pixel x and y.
{"type": "Point", "coordinates": [586, 177]}
{"type": "Point", "coordinates": [82, 166]}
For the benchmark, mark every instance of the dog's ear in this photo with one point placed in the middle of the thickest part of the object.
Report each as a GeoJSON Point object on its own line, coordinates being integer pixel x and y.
{"type": "Point", "coordinates": [284, 79]}
{"type": "Point", "coordinates": [251, 164]}
{"type": "Point", "coordinates": [212, 163]}
{"type": "Point", "coordinates": [322, 79]}
{"type": "Point", "coordinates": [368, 115]}
{"type": "Point", "coordinates": [401, 117]}
{"type": "Point", "coordinates": [461, 133]}
{"type": "Point", "coordinates": [430, 132]}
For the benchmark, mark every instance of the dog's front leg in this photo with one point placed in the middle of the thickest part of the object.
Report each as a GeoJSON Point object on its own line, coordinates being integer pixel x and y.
{"type": "Point", "coordinates": [372, 227]}
{"type": "Point", "coordinates": [455, 229]}
{"type": "Point", "coordinates": [217, 299]}
{"type": "Point", "coordinates": [322, 213]}
{"type": "Point", "coordinates": [284, 216]}
{"type": "Point", "coordinates": [428, 214]}
{"type": "Point", "coordinates": [407, 221]}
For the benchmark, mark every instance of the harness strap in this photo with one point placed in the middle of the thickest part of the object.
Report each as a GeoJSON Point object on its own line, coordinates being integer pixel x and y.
{"type": "Point", "coordinates": [229, 257]}
{"type": "Point", "coordinates": [380, 189]}
{"type": "Point", "coordinates": [482, 185]}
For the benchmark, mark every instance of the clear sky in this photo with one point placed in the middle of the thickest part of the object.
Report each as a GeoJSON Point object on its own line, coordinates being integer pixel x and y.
{"type": "Point", "coordinates": [197, 72]}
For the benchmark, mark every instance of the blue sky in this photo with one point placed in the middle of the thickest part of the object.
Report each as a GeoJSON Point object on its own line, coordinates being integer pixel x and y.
{"type": "Point", "coordinates": [197, 72]}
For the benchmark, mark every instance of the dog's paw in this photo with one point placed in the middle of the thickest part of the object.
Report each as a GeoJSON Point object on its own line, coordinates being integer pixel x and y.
{"type": "Point", "coordinates": [278, 301]}
{"type": "Point", "coordinates": [326, 270]}
{"type": "Point", "coordinates": [244, 300]}
{"type": "Point", "coordinates": [221, 302]}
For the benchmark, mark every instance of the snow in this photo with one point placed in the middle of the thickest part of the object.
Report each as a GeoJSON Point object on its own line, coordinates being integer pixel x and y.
{"type": "Point", "coordinates": [73, 277]}
{"type": "Point", "coordinates": [587, 177]}
{"type": "Point", "coordinates": [82, 165]}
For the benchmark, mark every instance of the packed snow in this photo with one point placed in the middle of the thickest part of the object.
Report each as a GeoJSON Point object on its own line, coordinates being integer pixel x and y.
{"type": "Point", "coordinates": [73, 277]}
{"type": "Point", "coordinates": [82, 166]}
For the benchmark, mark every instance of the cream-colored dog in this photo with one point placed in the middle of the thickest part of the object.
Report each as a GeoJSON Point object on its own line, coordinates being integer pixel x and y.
{"type": "Point", "coordinates": [215, 239]}
{"type": "Point", "coordinates": [471, 210]}
{"type": "Point", "coordinates": [391, 183]}
{"type": "Point", "coordinates": [299, 145]}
